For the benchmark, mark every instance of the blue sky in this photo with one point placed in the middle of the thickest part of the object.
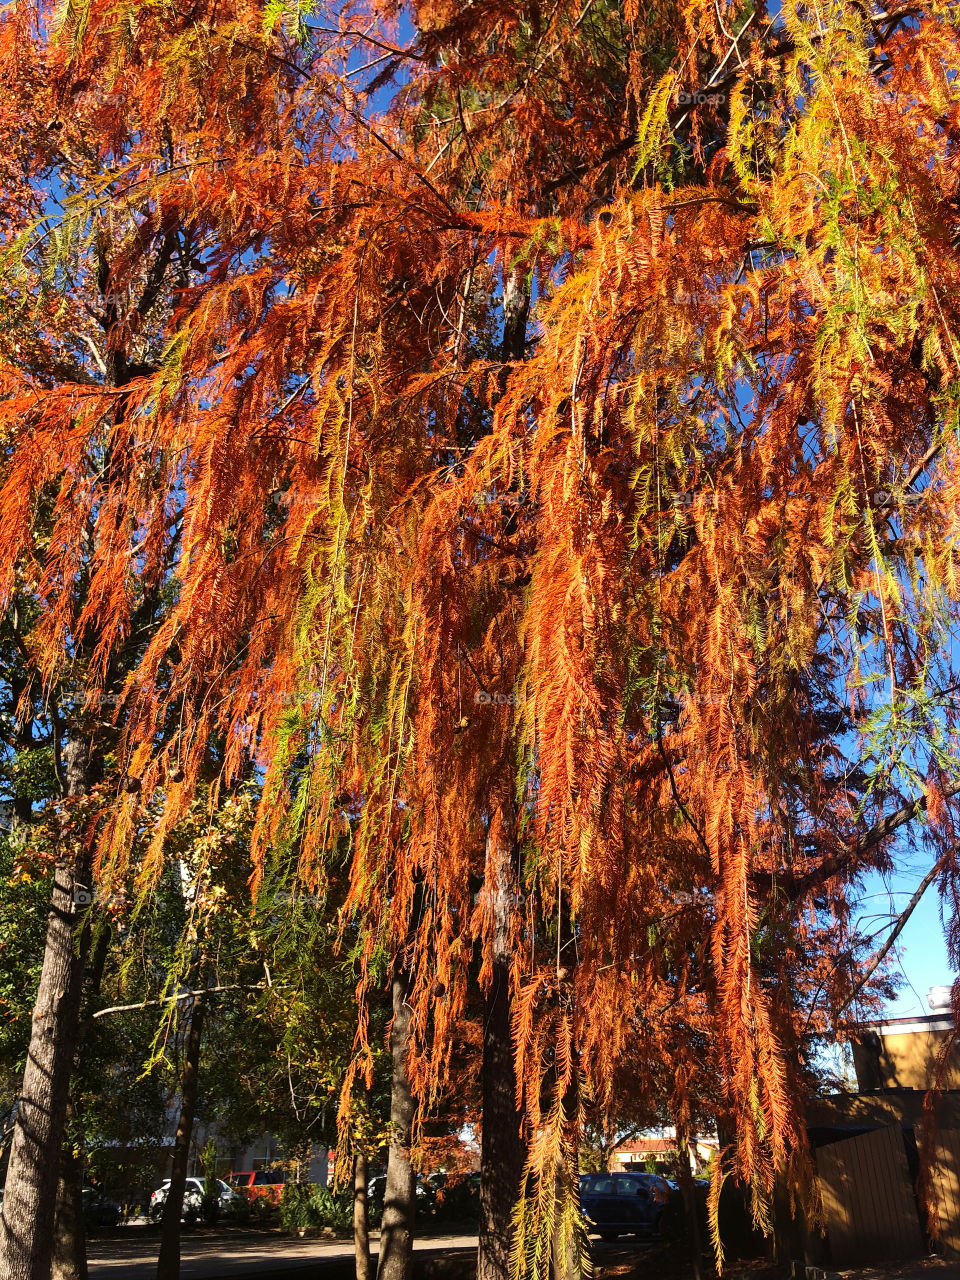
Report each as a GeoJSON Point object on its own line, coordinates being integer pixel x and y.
{"type": "Point", "coordinates": [921, 952]}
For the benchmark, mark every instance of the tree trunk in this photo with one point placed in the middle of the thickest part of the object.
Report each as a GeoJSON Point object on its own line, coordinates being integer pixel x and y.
{"type": "Point", "coordinates": [501, 1145]}
{"type": "Point", "coordinates": [70, 1237]}
{"type": "Point", "coordinates": [516, 309]}
{"type": "Point", "coordinates": [361, 1222]}
{"type": "Point", "coordinates": [689, 1201]}
{"type": "Point", "coordinates": [70, 1233]}
{"type": "Point", "coordinates": [567, 1248]}
{"type": "Point", "coordinates": [168, 1263]}
{"type": "Point", "coordinates": [30, 1196]}
{"type": "Point", "coordinates": [396, 1230]}
{"type": "Point", "coordinates": [568, 1252]}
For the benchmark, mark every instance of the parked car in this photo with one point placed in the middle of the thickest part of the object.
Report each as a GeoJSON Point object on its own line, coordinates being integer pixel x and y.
{"type": "Point", "coordinates": [259, 1184]}
{"type": "Point", "coordinates": [453, 1198]}
{"type": "Point", "coordinates": [231, 1202]}
{"type": "Point", "coordinates": [616, 1204]}
{"type": "Point", "coordinates": [99, 1213]}
{"type": "Point", "coordinates": [425, 1190]}
{"type": "Point", "coordinates": [662, 1187]}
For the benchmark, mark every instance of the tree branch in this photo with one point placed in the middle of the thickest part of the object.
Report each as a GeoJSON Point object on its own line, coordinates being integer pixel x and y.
{"type": "Point", "coordinates": [182, 995]}
{"type": "Point", "coordinates": [902, 919]}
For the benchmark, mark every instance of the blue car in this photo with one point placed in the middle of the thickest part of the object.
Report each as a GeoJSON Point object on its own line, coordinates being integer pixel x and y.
{"type": "Point", "coordinates": [617, 1204]}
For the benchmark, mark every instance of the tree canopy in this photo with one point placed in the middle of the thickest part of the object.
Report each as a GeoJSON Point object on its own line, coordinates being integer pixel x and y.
{"type": "Point", "coordinates": [541, 429]}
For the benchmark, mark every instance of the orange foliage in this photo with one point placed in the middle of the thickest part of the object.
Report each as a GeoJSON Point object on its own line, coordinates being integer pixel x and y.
{"type": "Point", "coordinates": [661, 580]}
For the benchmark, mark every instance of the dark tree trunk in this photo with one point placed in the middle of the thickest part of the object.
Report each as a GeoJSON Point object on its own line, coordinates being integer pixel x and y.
{"type": "Point", "coordinates": [396, 1229]}
{"type": "Point", "coordinates": [70, 1234]}
{"type": "Point", "coordinates": [361, 1220]}
{"type": "Point", "coordinates": [70, 1237]}
{"type": "Point", "coordinates": [567, 1251]}
{"type": "Point", "coordinates": [30, 1194]}
{"type": "Point", "coordinates": [168, 1263]}
{"type": "Point", "coordinates": [516, 308]}
{"type": "Point", "coordinates": [689, 1202]}
{"type": "Point", "coordinates": [501, 1145]}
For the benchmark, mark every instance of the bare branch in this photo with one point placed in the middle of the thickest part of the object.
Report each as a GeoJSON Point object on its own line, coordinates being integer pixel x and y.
{"type": "Point", "coordinates": [182, 995]}
{"type": "Point", "coordinates": [902, 919]}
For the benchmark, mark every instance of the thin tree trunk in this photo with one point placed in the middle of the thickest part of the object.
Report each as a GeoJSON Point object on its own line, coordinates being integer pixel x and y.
{"type": "Point", "coordinates": [30, 1195]}
{"type": "Point", "coordinates": [689, 1201]}
{"type": "Point", "coordinates": [396, 1230]}
{"type": "Point", "coordinates": [501, 1145]}
{"type": "Point", "coordinates": [566, 1253]}
{"type": "Point", "coordinates": [568, 1246]}
{"type": "Point", "coordinates": [361, 1220]}
{"type": "Point", "coordinates": [168, 1263]}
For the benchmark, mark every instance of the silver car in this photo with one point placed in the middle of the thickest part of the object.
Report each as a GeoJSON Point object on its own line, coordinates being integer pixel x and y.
{"type": "Point", "coordinates": [231, 1202]}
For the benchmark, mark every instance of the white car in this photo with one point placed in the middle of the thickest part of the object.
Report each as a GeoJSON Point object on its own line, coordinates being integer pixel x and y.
{"type": "Point", "coordinates": [230, 1201]}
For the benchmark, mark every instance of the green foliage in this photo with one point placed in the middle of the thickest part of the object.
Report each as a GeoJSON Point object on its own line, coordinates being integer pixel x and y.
{"type": "Point", "coordinates": [23, 898]}
{"type": "Point", "coordinates": [309, 1205]}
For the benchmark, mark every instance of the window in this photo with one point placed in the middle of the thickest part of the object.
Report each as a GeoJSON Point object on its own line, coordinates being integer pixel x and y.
{"type": "Point", "coordinates": [600, 1186]}
{"type": "Point", "coordinates": [631, 1187]}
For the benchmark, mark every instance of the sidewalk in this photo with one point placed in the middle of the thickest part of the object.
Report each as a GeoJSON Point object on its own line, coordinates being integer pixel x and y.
{"type": "Point", "coordinates": [932, 1268]}
{"type": "Point", "coordinates": [243, 1255]}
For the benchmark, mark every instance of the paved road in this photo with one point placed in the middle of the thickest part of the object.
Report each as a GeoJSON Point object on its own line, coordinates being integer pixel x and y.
{"type": "Point", "coordinates": [240, 1254]}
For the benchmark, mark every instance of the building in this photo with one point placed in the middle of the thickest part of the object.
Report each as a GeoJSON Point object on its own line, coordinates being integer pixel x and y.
{"type": "Point", "coordinates": [904, 1053]}
{"type": "Point", "coordinates": [636, 1153]}
{"type": "Point", "coordinates": [879, 1200]}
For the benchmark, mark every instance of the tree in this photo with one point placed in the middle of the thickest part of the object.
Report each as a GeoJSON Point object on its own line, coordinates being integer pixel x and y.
{"type": "Point", "coordinates": [672, 576]}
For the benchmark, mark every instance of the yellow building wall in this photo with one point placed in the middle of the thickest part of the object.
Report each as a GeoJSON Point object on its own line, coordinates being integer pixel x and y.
{"type": "Point", "coordinates": [908, 1060]}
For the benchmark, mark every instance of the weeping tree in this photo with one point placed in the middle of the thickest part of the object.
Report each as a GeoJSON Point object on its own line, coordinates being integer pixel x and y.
{"type": "Point", "coordinates": [558, 412]}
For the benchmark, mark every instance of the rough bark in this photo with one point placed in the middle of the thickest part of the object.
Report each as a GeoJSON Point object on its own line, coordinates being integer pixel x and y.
{"type": "Point", "coordinates": [689, 1202]}
{"type": "Point", "coordinates": [361, 1221]}
{"type": "Point", "coordinates": [501, 1146]}
{"type": "Point", "coordinates": [70, 1234]}
{"type": "Point", "coordinates": [516, 308]}
{"type": "Point", "coordinates": [396, 1230]}
{"type": "Point", "coordinates": [29, 1203]}
{"type": "Point", "coordinates": [168, 1262]}
{"type": "Point", "coordinates": [70, 1237]}
{"type": "Point", "coordinates": [566, 1251]}
{"type": "Point", "coordinates": [501, 1143]}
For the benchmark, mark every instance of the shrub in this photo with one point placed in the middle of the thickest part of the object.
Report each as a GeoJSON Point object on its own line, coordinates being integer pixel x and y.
{"type": "Point", "coordinates": [311, 1205]}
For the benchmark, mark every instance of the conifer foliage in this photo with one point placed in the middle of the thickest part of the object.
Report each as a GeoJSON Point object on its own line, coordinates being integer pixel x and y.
{"type": "Point", "coordinates": [550, 414]}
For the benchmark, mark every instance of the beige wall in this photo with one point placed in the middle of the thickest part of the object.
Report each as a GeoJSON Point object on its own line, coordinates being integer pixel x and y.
{"type": "Point", "coordinates": [887, 1059]}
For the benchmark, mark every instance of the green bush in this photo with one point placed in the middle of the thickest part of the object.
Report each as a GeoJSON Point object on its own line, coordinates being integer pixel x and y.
{"type": "Point", "coordinates": [306, 1205]}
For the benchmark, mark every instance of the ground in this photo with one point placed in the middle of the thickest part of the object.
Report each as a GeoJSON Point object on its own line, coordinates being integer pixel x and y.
{"type": "Point", "coordinates": [239, 1254]}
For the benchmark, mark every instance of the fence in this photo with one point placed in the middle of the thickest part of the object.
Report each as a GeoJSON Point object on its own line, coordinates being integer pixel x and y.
{"type": "Point", "coordinates": [869, 1206]}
